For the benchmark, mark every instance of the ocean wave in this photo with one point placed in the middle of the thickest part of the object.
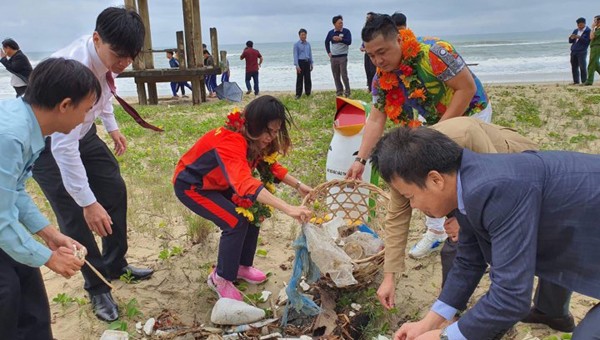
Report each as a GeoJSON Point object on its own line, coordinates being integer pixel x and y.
{"type": "Point", "coordinates": [508, 43]}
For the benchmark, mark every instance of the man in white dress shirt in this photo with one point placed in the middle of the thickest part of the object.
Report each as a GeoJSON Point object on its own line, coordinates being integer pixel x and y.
{"type": "Point", "coordinates": [78, 172]}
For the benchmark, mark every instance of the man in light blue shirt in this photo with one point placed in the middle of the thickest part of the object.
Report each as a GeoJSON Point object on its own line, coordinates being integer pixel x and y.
{"type": "Point", "coordinates": [59, 94]}
{"type": "Point", "coordinates": [303, 61]}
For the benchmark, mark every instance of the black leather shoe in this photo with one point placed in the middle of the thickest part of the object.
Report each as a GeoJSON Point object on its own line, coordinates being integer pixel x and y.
{"type": "Point", "coordinates": [105, 307]}
{"type": "Point", "coordinates": [136, 273]}
{"type": "Point", "coordinates": [563, 324]}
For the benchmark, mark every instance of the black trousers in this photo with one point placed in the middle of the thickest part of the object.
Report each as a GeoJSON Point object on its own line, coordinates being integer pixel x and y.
{"type": "Point", "coordinates": [24, 309]}
{"type": "Point", "coordinates": [104, 178]}
{"type": "Point", "coordinates": [303, 78]}
{"type": "Point", "coordinates": [578, 66]}
{"type": "Point", "coordinates": [550, 299]}
{"type": "Point", "coordinates": [370, 70]}
{"type": "Point", "coordinates": [239, 238]}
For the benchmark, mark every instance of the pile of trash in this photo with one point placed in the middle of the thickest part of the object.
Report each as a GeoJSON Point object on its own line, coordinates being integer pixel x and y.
{"type": "Point", "coordinates": [336, 243]}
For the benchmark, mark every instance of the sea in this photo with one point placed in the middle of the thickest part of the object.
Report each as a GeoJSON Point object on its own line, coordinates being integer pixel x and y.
{"type": "Point", "coordinates": [532, 57]}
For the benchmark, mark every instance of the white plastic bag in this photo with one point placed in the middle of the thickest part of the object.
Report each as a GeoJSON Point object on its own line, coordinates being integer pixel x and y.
{"type": "Point", "coordinates": [332, 227]}
{"type": "Point", "coordinates": [370, 244]}
{"type": "Point", "coordinates": [328, 256]}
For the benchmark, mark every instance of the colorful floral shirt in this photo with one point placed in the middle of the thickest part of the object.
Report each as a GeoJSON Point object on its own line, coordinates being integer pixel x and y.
{"type": "Point", "coordinates": [438, 63]}
{"type": "Point", "coordinates": [218, 161]}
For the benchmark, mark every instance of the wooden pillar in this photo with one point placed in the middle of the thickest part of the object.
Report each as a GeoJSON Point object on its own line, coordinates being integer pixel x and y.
{"type": "Point", "coordinates": [152, 93]}
{"type": "Point", "coordinates": [193, 43]}
{"type": "Point", "coordinates": [180, 50]}
{"type": "Point", "coordinates": [197, 36]}
{"type": "Point", "coordinates": [141, 91]}
{"type": "Point", "coordinates": [138, 62]}
{"type": "Point", "coordinates": [188, 28]}
{"type": "Point", "coordinates": [223, 64]}
{"type": "Point", "coordinates": [214, 44]}
{"type": "Point", "coordinates": [147, 50]}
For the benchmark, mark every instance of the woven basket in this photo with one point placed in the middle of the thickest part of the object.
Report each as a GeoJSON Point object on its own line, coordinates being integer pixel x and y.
{"type": "Point", "coordinates": [354, 201]}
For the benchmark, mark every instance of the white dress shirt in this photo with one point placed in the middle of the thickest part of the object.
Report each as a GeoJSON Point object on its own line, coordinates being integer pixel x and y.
{"type": "Point", "coordinates": [65, 148]}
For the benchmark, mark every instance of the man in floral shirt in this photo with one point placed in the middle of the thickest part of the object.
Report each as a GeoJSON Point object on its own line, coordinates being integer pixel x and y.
{"type": "Point", "coordinates": [416, 83]}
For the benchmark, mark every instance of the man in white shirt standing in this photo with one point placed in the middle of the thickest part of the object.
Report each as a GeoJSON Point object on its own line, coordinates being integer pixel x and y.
{"type": "Point", "coordinates": [79, 174]}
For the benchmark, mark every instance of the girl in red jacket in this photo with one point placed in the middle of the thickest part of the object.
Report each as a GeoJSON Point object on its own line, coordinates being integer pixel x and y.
{"type": "Point", "coordinates": [215, 180]}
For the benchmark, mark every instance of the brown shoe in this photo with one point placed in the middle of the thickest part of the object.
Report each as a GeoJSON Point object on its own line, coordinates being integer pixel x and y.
{"type": "Point", "coordinates": [562, 323]}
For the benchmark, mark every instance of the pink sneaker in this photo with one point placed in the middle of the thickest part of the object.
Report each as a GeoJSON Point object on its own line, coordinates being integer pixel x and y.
{"type": "Point", "coordinates": [251, 275]}
{"type": "Point", "coordinates": [224, 288]}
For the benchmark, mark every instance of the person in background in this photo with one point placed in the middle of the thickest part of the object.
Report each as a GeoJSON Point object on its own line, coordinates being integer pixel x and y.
{"type": "Point", "coordinates": [175, 86]}
{"type": "Point", "coordinates": [400, 20]}
{"type": "Point", "coordinates": [579, 40]}
{"type": "Point", "coordinates": [210, 79]}
{"type": "Point", "coordinates": [337, 44]}
{"type": "Point", "coordinates": [60, 94]}
{"type": "Point", "coordinates": [214, 180]}
{"type": "Point", "coordinates": [521, 215]}
{"type": "Point", "coordinates": [78, 173]}
{"type": "Point", "coordinates": [253, 61]}
{"type": "Point", "coordinates": [594, 64]}
{"type": "Point", "coordinates": [17, 63]}
{"type": "Point", "coordinates": [225, 70]}
{"type": "Point", "coordinates": [303, 61]}
{"type": "Point", "coordinates": [369, 66]}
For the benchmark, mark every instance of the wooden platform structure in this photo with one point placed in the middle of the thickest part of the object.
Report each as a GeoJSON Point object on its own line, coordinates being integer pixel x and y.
{"type": "Point", "coordinates": [191, 59]}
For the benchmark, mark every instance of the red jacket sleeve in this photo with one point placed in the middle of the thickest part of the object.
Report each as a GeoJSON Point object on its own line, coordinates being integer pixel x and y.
{"type": "Point", "coordinates": [279, 171]}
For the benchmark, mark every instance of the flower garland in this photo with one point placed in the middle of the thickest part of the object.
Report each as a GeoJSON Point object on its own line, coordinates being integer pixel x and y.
{"type": "Point", "coordinates": [255, 212]}
{"type": "Point", "coordinates": [404, 86]}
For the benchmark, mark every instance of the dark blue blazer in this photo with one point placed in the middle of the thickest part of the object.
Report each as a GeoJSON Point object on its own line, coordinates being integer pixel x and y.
{"type": "Point", "coordinates": [534, 213]}
{"type": "Point", "coordinates": [581, 44]}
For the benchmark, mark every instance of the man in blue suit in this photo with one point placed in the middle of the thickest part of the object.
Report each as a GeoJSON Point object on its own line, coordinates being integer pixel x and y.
{"type": "Point", "coordinates": [524, 215]}
{"type": "Point", "coordinates": [580, 41]}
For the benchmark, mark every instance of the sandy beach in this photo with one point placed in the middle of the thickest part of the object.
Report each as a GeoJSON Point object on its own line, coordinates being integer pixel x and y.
{"type": "Point", "coordinates": [556, 116]}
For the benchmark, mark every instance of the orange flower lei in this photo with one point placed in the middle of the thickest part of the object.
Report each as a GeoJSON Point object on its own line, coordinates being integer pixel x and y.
{"type": "Point", "coordinates": [392, 97]}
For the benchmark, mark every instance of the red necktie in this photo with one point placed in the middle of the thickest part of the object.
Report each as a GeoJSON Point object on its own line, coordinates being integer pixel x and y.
{"type": "Point", "coordinates": [128, 108]}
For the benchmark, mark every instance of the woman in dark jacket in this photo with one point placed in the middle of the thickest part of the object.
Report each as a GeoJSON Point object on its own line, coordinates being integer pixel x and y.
{"type": "Point", "coordinates": [17, 63]}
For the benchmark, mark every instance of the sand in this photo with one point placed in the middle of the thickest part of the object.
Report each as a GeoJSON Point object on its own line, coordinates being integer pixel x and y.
{"type": "Point", "coordinates": [179, 282]}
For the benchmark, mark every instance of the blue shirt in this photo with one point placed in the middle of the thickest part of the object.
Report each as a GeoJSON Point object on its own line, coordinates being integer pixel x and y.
{"type": "Point", "coordinates": [302, 51]}
{"type": "Point", "coordinates": [440, 307]}
{"type": "Point", "coordinates": [21, 142]}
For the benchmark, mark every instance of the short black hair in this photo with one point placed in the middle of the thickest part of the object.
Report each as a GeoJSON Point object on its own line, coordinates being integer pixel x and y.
{"type": "Point", "coordinates": [259, 113]}
{"type": "Point", "coordinates": [336, 18]}
{"type": "Point", "coordinates": [379, 24]}
{"type": "Point", "coordinates": [399, 19]}
{"type": "Point", "coordinates": [55, 79]}
{"type": "Point", "coordinates": [249, 43]}
{"type": "Point", "coordinates": [122, 29]}
{"type": "Point", "coordinates": [205, 52]}
{"type": "Point", "coordinates": [10, 43]}
{"type": "Point", "coordinates": [302, 30]}
{"type": "Point", "coordinates": [580, 20]}
{"type": "Point", "coordinates": [170, 52]}
{"type": "Point", "coordinates": [411, 153]}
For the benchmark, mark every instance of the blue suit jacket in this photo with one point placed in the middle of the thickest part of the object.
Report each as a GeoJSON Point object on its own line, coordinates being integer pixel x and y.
{"type": "Point", "coordinates": [534, 213]}
{"type": "Point", "coordinates": [581, 44]}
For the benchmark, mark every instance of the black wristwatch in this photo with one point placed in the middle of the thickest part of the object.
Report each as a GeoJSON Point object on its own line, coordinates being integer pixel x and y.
{"type": "Point", "coordinates": [443, 335]}
{"type": "Point", "coordinates": [360, 160]}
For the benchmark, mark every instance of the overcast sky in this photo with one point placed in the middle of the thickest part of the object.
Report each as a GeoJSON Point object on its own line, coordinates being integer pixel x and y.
{"type": "Point", "coordinates": [46, 25]}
